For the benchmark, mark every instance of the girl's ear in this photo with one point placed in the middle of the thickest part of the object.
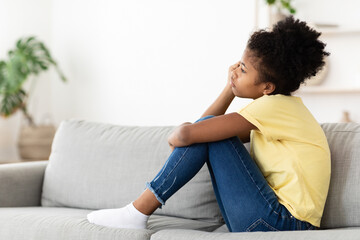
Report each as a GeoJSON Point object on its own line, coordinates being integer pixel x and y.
{"type": "Point", "coordinates": [269, 88]}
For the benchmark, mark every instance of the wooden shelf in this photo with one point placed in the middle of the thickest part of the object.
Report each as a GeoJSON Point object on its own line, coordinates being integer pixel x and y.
{"type": "Point", "coordinates": [328, 90]}
{"type": "Point", "coordinates": [339, 31]}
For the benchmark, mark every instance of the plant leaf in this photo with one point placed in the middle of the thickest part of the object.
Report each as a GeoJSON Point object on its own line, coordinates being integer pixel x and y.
{"type": "Point", "coordinates": [10, 103]}
{"type": "Point", "coordinates": [29, 57]}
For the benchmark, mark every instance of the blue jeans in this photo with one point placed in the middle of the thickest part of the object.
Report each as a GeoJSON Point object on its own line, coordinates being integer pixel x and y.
{"type": "Point", "coordinates": [246, 201]}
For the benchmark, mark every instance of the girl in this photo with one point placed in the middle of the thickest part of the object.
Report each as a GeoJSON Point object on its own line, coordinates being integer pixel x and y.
{"type": "Point", "coordinates": [283, 183]}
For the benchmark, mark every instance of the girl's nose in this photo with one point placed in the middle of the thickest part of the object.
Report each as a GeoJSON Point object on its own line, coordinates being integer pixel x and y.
{"type": "Point", "coordinates": [234, 75]}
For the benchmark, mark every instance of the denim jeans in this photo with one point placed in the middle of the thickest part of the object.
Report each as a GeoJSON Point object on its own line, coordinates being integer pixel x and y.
{"type": "Point", "coordinates": [245, 199]}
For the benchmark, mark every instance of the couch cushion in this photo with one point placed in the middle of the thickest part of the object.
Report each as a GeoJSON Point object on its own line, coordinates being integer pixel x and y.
{"type": "Point", "coordinates": [342, 208]}
{"type": "Point", "coordinates": [344, 233]}
{"type": "Point", "coordinates": [97, 165]}
{"type": "Point", "coordinates": [39, 223]}
{"type": "Point", "coordinates": [160, 222]}
{"type": "Point", "coordinates": [42, 223]}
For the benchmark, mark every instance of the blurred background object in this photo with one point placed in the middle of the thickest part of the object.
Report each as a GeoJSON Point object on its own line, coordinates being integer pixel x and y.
{"type": "Point", "coordinates": [345, 117]}
{"type": "Point", "coordinates": [35, 142]}
{"type": "Point", "coordinates": [279, 9]}
{"type": "Point", "coordinates": [29, 58]}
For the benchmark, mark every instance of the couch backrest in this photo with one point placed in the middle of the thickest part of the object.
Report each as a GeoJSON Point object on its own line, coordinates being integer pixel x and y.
{"type": "Point", "coordinates": [96, 166]}
{"type": "Point", "coordinates": [342, 208]}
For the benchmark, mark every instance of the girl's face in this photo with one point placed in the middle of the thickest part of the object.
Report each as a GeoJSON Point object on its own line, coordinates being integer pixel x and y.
{"type": "Point", "coordinates": [244, 80]}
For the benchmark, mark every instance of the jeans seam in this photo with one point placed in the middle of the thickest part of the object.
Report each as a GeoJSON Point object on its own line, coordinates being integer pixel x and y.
{"type": "Point", "coordinates": [253, 225]}
{"type": "Point", "coordinates": [252, 179]}
{"type": "Point", "coordinates": [163, 169]}
{"type": "Point", "coordinates": [169, 187]}
{"type": "Point", "coordinates": [257, 222]}
{"type": "Point", "coordinates": [298, 223]}
{"type": "Point", "coordinates": [311, 228]}
{"type": "Point", "coordinates": [177, 163]}
{"type": "Point", "coordinates": [269, 226]}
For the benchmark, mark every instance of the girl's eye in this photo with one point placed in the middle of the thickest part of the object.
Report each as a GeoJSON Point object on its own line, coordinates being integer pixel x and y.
{"type": "Point", "coordinates": [242, 70]}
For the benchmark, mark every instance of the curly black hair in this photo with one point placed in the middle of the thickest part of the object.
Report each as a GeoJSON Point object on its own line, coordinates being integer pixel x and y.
{"type": "Point", "coordinates": [287, 55]}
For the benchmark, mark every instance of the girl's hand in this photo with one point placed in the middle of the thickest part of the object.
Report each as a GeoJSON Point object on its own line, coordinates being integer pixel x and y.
{"type": "Point", "coordinates": [175, 138]}
{"type": "Point", "coordinates": [231, 69]}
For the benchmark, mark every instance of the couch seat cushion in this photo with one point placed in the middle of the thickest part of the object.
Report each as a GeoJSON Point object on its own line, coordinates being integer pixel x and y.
{"type": "Point", "coordinates": [39, 223]}
{"type": "Point", "coordinates": [42, 223]}
{"type": "Point", "coordinates": [333, 234]}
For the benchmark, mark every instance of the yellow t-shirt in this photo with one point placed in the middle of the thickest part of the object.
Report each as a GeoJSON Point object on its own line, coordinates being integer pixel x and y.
{"type": "Point", "coordinates": [292, 152]}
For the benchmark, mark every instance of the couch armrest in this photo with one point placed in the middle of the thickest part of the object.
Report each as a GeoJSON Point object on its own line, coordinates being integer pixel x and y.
{"type": "Point", "coordinates": [21, 183]}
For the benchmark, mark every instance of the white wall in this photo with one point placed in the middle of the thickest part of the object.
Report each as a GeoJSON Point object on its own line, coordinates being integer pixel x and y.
{"type": "Point", "coordinates": [145, 62]}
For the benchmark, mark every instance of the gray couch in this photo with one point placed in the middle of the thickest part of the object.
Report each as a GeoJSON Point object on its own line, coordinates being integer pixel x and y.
{"type": "Point", "coordinates": [96, 166]}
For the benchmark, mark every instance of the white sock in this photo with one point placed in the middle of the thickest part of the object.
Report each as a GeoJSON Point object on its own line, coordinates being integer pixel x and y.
{"type": "Point", "coordinates": [125, 217]}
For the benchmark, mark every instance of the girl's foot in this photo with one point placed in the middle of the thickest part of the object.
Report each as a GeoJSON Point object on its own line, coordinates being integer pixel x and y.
{"type": "Point", "coordinates": [125, 217]}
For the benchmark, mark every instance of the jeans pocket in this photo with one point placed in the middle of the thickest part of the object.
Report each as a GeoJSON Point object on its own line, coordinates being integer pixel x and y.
{"type": "Point", "coordinates": [261, 225]}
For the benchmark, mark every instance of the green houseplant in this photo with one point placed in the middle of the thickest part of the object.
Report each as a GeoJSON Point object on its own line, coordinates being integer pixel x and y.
{"type": "Point", "coordinates": [282, 4]}
{"type": "Point", "coordinates": [28, 58]}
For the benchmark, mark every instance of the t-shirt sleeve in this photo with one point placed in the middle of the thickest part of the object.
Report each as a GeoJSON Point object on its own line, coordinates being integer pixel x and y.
{"type": "Point", "coordinates": [260, 113]}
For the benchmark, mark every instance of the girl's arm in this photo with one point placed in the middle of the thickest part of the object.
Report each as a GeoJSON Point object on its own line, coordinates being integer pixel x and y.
{"type": "Point", "coordinates": [211, 130]}
{"type": "Point", "coordinates": [224, 100]}
{"type": "Point", "coordinates": [217, 128]}
{"type": "Point", "coordinates": [221, 104]}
